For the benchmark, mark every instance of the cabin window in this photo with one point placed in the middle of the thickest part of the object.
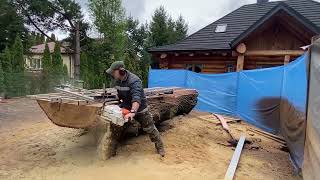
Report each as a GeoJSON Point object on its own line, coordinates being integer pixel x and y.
{"type": "Point", "coordinates": [35, 64]}
{"type": "Point", "coordinates": [221, 28]}
{"type": "Point", "coordinates": [231, 68]}
{"type": "Point", "coordinates": [195, 67]}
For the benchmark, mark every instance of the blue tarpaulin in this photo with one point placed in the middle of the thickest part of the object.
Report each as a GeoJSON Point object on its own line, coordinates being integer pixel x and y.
{"type": "Point", "coordinates": [260, 97]}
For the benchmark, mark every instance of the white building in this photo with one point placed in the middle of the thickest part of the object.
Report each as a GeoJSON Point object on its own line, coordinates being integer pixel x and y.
{"type": "Point", "coordinates": [33, 61]}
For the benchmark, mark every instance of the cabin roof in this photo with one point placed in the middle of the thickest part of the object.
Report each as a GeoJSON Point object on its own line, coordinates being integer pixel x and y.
{"type": "Point", "coordinates": [241, 22]}
{"type": "Point", "coordinates": [39, 49]}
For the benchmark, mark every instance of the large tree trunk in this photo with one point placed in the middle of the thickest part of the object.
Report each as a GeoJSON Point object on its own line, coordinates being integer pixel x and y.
{"type": "Point", "coordinates": [162, 105]}
{"type": "Point", "coordinates": [77, 53]}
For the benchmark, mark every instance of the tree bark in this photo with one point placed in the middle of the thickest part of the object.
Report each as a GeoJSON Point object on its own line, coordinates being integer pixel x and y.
{"type": "Point", "coordinates": [77, 53]}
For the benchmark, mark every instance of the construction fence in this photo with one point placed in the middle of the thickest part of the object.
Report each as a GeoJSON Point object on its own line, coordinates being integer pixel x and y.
{"type": "Point", "coordinates": [273, 99]}
{"type": "Point", "coordinates": [28, 83]}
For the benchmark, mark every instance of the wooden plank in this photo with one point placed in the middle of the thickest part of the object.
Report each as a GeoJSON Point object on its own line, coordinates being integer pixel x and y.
{"type": "Point", "coordinates": [269, 63]}
{"type": "Point", "coordinates": [271, 53]}
{"type": "Point", "coordinates": [176, 65]}
{"type": "Point", "coordinates": [265, 58]}
{"type": "Point", "coordinates": [240, 63]}
{"type": "Point", "coordinates": [208, 66]}
{"type": "Point", "coordinates": [274, 52]}
{"type": "Point", "coordinates": [235, 159]}
{"type": "Point", "coordinates": [268, 135]}
{"type": "Point", "coordinates": [75, 94]}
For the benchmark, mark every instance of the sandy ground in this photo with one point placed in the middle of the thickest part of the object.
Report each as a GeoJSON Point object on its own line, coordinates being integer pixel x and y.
{"type": "Point", "coordinates": [33, 148]}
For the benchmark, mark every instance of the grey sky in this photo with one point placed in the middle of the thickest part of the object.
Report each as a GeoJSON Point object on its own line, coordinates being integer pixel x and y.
{"type": "Point", "coordinates": [198, 13]}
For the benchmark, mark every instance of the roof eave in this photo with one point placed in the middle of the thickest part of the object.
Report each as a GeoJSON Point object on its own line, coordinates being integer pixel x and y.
{"type": "Point", "coordinates": [281, 6]}
{"type": "Point", "coordinates": [187, 50]}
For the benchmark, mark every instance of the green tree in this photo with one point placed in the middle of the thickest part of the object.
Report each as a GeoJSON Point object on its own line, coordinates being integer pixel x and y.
{"type": "Point", "coordinates": [109, 19]}
{"type": "Point", "coordinates": [159, 27]}
{"type": "Point", "coordinates": [2, 84]}
{"type": "Point", "coordinates": [164, 30]}
{"type": "Point", "coordinates": [11, 24]}
{"type": "Point", "coordinates": [171, 31]}
{"type": "Point", "coordinates": [39, 39]}
{"type": "Point", "coordinates": [181, 29]}
{"type": "Point", "coordinates": [48, 15]}
{"type": "Point", "coordinates": [18, 68]}
{"type": "Point", "coordinates": [53, 37]}
{"type": "Point", "coordinates": [57, 65]}
{"type": "Point", "coordinates": [135, 50]}
{"type": "Point", "coordinates": [7, 68]}
{"type": "Point", "coordinates": [84, 70]}
{"type": "Point", "coordinates": [31, 40]}
{"type": "Point", "coordinates": [46, 71]}
{"type": "Point", "coordinates": [17, 56]}
{"type": "Point", "coordinates": [42, 39]}
{"type": "Point", "coordinates": [65, 74]}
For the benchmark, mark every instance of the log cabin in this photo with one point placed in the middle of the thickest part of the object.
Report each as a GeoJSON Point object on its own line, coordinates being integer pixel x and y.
{"type": "Point", "coordinates": [254, 36]}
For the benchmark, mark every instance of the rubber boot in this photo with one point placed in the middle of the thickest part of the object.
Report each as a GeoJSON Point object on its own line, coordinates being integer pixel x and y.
{"type": "Point", "coordinates": [160, 148]}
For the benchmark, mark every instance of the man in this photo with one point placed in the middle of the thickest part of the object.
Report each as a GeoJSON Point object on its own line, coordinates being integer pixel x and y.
{"type": "Point", "coordinates": [130, 92]}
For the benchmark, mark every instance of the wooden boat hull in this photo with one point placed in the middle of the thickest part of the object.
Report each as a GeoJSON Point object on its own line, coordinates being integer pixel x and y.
{"type": "Point", "coordinates": [81, 116]}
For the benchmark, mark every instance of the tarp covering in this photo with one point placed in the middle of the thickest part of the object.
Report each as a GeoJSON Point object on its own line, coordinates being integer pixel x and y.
{"type": "Point", "coordinates": [293, 108]}
{"type": "Point", "coordinates": [311, 164]}
{"type": "Point", "coordinates": [215, 93]}
{"type": "Point", "coordinates": [273, 99]}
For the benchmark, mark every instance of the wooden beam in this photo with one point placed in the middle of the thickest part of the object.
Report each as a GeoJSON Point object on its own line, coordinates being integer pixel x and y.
{"type": "Point", "coordinates": [286, 59]}
{"type": "Point", "coordinates": [270, 53]}
{"type": "Point", "coordinates": [241, 48]}
{"type": "Point", "coordinates": [240, 63]}
{"type": "Point", "coordinates": [274, 53]}
{"type": "Point", "coordinates": [75, 94]}
{"type": "Point", "coordinates": [235, 159]}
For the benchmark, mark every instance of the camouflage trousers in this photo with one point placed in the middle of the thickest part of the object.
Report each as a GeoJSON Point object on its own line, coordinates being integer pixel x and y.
{"type": "Point", "coordinates": [147, 124]}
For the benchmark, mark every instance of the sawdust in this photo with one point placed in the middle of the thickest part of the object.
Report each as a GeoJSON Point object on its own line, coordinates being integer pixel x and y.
{"type": "Point", "coordinates": [34, 148]}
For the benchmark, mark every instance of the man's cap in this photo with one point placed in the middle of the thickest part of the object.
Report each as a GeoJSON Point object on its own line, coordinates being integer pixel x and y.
{"type": "Point", "coordinates": [115, 66]}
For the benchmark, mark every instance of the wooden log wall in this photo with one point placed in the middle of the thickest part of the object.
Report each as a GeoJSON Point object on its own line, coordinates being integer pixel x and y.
{"type": "Point", "coordinates": [209, 63]}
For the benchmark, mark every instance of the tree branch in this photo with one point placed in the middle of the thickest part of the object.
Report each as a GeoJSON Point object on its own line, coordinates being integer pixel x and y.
{"type": "Point", "coordinates": [63, 14]}
{"type": "Point", "coordinates": [42, 32]}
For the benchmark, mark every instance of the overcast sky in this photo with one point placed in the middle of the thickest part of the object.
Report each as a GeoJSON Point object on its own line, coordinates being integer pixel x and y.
{"type": "Point", "coordinates": [198, 13]}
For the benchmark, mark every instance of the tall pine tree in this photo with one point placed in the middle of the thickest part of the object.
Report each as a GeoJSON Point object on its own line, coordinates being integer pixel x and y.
{"type": "Point", "coordinates": [109, 19]}
{"type": "Point", "coordinates": [2, 85]}
{"type": "Point", "coordinates": [18, 67]}
{"type": "Point", "coordinates": [159, 27]}
{"type": "Point", "coordinates": [46, 71]}
{"type": "Point", "coordinates": [17, 56]}
{"type": "Point", "coordinates": [181, 29]}
{"type": "Point", "coordinates": [164, 30]}
{"type": "Point", "coordinates": [65, 74]}
{"type": "Point", "coordinates": [8, 75]}
{"type": "Point", "coordinates": [57, 65]}
{"type": "Point", "coordinates": [53, 37]}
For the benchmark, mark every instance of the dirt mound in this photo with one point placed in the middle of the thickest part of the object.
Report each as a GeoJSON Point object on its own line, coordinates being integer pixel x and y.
{"type": "Point", "coordinates": [196, 149]}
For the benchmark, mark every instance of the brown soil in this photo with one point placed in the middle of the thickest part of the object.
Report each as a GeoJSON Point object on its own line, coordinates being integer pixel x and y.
{"type": "Point", "coordinates": [33, 148]}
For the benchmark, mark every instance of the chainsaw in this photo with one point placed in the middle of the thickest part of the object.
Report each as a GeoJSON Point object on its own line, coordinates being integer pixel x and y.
{"type": "Point", "coordinates": [115, 114]}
